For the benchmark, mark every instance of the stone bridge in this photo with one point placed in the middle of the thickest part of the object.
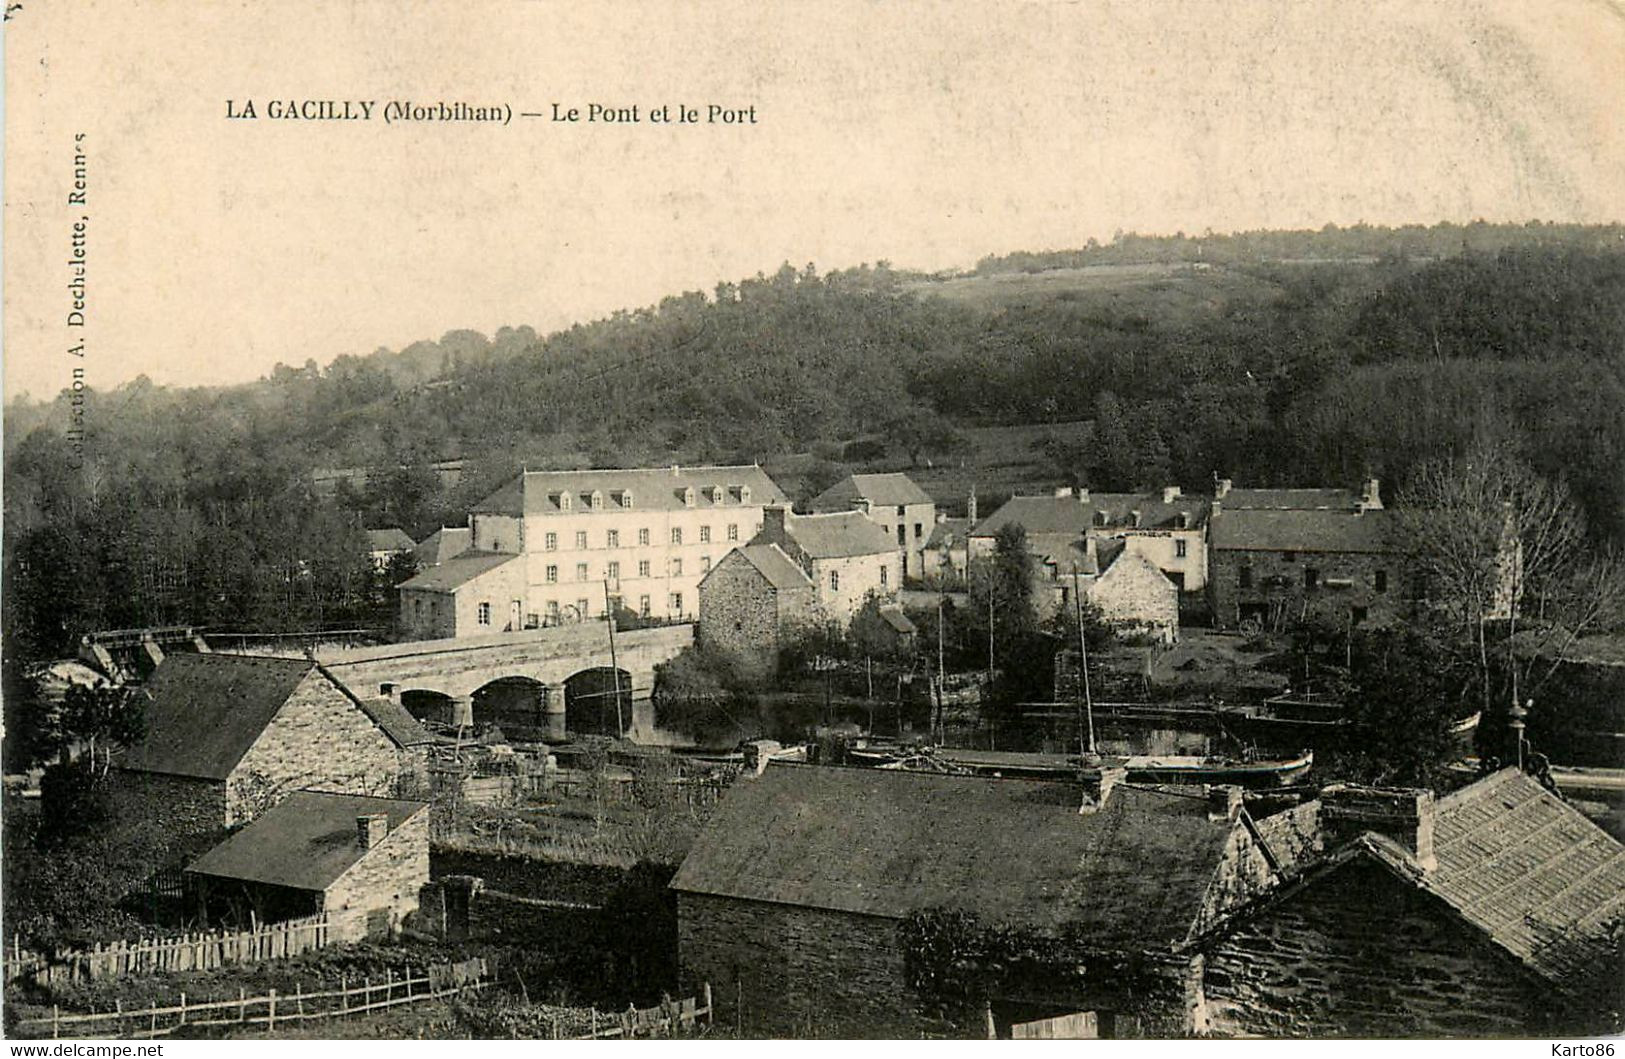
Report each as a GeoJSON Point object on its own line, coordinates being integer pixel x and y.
{"type": "Point", "coordinates": [512, 678]}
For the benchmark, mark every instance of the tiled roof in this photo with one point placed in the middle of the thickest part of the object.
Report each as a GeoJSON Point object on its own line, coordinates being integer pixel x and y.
{"type": "Point", "coordinates": [883, 490]}
{"type": "Point", "coordinates": [443, 544]}
{"type": "Point", "coordinates": [1530, 871]}
{"type": "Point", "coordinates": [887, 843]}
{"type": "Point", "coordinates": [646, 489]}
{"type": "Point", "coordinates": [1301, 531]}
{"type": "Point", "coordinates": [839, 535]}
{"type": "Point", "coordinates": [305, 842]}
{"type": "Point", "coordinates": [1290, 499]}
{"type": "Point", "coordinates": [1074, 514]}
{"type": "Point", "coordinates": [769, 560]}
{"type": "Point", "coordinates": [206, 710]}
{"type": "Point", "coordinates": [949, 531]}
{"type": "Point", "coordinates": [458, 571]}
{"type": "Point", "coordinates": [393, 539]}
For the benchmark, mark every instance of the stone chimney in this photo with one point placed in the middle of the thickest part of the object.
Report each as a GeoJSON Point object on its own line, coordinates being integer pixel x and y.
{"type": "Point", "coordinates": [773, 524]}
{"type": "Point", "coordinates": [1404, 816]}
{"type": "Point", "coordinates": [1224, 803]}
{"type": "Point", "coordinates": [370, 829]}
{"type": "Point", "coordinates": [1221, 488]}
{"type": "Point", "coordinates": [1170, 493]}
{"type": "Point", "coordinates": [970, 505]}
{"type": "Point", "coordinates": [1097, 787]}
{"type": "Point", "coordinates": [1371, 497]}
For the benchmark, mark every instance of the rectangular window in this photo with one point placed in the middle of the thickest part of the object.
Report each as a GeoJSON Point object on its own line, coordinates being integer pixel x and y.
{"type": "Point", "coordinates": [1244, 576]}
{"type": "Point", "coordinates": [884, 573]}
{"type": "Point", "coordinates": [552, 612]}
{"type": "Point", "coordinates": [919, 531]}
{"type": "Point", "coordinates": [612, 539]}
{"type": "Point", "coordinates": [902, 533]}
{"type": "Point", "coordinates": [614, 571]}
{"type": "Point", "coordinates": [1311, 577]}
{"type": "Point", "coordinates": [900, 511]}
{"type": "Point", "coordinates": [643, 568]}
{"type": "Point", "coordinates": [834, 580]}
{"type": "Point", "coordinates": [533, 621]}
{"type": "Point", "coordinates": [552, 542]}
{"type": "Point", "coordinates": [733, 531]}
{"type": "Point", "coordinates": [677, 534]}
{"type": "Point", "coordinates": [1382, 580]}
{"type": "Point", "coordinates": [674, 604]}
{"type": "Point", "coordinates": [705, 534]}
{"type": "Point", "coordinates": [643, 537]}
{"type": "Point", "coordinates": [677, 568]}
{"type": "Point", "coordinates": [643, 606]}
{"type": "Point", "coordinates": [552, 575]}
{"type": "Point", "coordinates": [705, 564]}
{"type": "Point", "coordinates": [581, 540]}
{"type": "Point", "coordinates": [581, 571]}
{"type": "Point", "coordinates": [485, 614]}
{"type": "Point", "coordinates": [581, 609]}
{"type": "Point", "coordinates": [1181, 548]}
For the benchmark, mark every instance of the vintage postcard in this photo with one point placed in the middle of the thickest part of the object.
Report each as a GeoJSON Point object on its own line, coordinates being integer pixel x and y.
{"type": "Point", "coordinates": [709, 520]}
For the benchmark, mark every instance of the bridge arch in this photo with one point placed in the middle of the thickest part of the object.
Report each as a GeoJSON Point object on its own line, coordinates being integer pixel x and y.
{"type": "Point", "coordinates": [516, 703]}
{"type": "Point", "coordinates": [428, 704]}
{"type": "Point", "coordinates": [591, 703]}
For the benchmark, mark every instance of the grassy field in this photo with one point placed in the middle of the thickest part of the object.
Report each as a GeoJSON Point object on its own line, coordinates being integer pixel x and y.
{"type": "Point", "coordinates": [1182, 288]}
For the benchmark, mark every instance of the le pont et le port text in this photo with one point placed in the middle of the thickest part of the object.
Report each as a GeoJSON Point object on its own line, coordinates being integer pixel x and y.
{"type": "Point", "coordinates": [664, 114]}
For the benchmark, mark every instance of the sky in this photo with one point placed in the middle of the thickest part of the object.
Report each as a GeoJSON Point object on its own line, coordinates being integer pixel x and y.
{"type": "Point", "coordinates": [925, 134]}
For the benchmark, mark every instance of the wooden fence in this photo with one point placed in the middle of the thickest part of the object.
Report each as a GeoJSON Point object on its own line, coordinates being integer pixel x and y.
{"type": "Point", "coordinates": [269, 1010]}
{"type": "Point", "coordinates": [186, 952]}
{"type": "Point", "coordinates": [664, 1018]}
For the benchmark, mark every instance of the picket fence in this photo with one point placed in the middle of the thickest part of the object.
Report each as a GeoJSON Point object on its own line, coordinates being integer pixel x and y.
{"type": "Point", "coordinates": [269, 1010]}
{"type": "Point", "coordinates": [664, 1018]}
{"type": "Point", "coordinates": [186, 952]}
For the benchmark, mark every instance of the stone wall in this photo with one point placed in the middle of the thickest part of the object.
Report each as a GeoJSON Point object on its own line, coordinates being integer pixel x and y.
{"type": "Point", "coordinates": [1278, 585]}
{"type": "Point", "coordinates": [1134, 596]}
{"type": "Point", "coordinates": [782, 970]}
{"type": "Point", "coordinates": [428, 614]}
{"type": "Point", "coordinates": [858, 577]}
{"type": "Point", "coordinates": [498, 588]}
{"type": "Point", "coordinates": [319, 738]}
{"type": "Point", "coordinates": [389, 876]}
{"type": "Point", "coordinates": [1361, 954]}
{"type": "Point", "coordinates": [739, 611]}
{"type": "Point", "coordinates": [190, 812]}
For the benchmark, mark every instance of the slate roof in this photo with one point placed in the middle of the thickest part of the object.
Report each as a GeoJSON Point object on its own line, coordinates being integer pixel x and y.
{"type": "Point", "coordinates": [204, 711]}
{"type": "Point", "coordinates": [305, 842]}
{"type": "Point", "coordinates": [1131, 876]}
{"type": "Point", "coordinates": [393, 539]}
{"type": "Point", "coordinates": [1072, 514]}
{"type": "Point", "coordinates": [839, 535]}
{"type": "Point", "coordinates": [769, 560]}
{"type": "Point", "coordinates": [443, 544]}
{"type": "Point", "coordinates": [948, 532]}
{"type": "Point", "coordinates": [881, 490]}
{"type": "Point", "coordinates": [893, 615]}
{"type": "Point", "coordinates": [645, 489]}
{"type": "Point", "coordinates": [1290, 499]}
{"type": "Point", "coordinates": [457, 571]}
{"type": "Point", "coordinates": [1530, 871]}
{"type": "Point", "coordinates": [1301, 531]}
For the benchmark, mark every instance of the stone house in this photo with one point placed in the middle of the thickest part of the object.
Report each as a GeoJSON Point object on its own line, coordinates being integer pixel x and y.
{"type": "Point", "coordinates": [228, 736]}
{"type": "Point", "coordinates": [1133, 594]}
{"type": "Point", "coordinates": [361, 860]}
{"type": "Point", "coordinates": [466, 595]}
{"type": "Point", "coordinates": [751, 599]}
{"type": "Point", "coordinates": [895, 503]}
{"type": "Point", "coordinates": [644, 536]}
{"type": "Point", "coordinates": [1168, 527]}
{"type": "Point", "coordinates": [846, 555]}
{"type": "Point", "coordinates": [1490, 912]}
{"type": "Point", "coordinates": [1278, 566]}
{"type": "Point", "coordinates": [793, 902]}
{"type": "Point", "coordinates": [947, 550]}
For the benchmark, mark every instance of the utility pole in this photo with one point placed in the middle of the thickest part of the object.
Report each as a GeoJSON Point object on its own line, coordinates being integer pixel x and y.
{"type": "Point", "coordinates": [938, 685]}
{"type": "Point", "coordinates": [1083, 663]}
{"type": "Point", "coordinates": [614, 665]}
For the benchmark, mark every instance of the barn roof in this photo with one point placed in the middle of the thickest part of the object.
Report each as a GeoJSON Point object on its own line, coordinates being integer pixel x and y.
{"type": "Point", "coordinates": [443, 544]}
{"type": "Point", "coordinates": [457, 571]}
{"type": "Point", "coordinates": [888, 843]}
{"type": "Point", "coordinates": [1301, 531]}
{"type": "Point", "coordinates": [1078, 513]}
{"type": "Point", "coordinates": [838, 535]}
{"type": "Point", "coordinates": [204, 711]}
{"type": "Point", "coordinates": [884, 490]}
{"type": "Point", "coordinates": [769, 560]}
{"type": "Point", "coordinates": [305, 842]}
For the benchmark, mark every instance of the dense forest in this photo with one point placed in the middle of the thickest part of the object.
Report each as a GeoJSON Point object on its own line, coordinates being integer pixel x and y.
{"type": "Point", "coordinates": [1272, 358]}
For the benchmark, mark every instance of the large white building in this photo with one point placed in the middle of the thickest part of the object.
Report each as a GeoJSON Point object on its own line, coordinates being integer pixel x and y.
{"type": "Point", "coordinates": [647, 536]}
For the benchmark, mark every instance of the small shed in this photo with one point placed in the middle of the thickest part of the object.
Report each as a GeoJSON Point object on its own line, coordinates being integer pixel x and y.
{"type": "Point", "coordinates": [362, 860]}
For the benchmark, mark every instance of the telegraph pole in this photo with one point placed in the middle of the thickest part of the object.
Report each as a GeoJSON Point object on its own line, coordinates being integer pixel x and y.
{"type": "Point", "coordinates": [614, 665]}
{"type": "Point", "coordinates": [1083, 662]}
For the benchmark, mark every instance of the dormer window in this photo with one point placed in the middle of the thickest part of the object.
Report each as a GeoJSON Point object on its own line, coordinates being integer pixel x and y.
{"type": "Point", "coordinates": [597, 500]}
{"type": "Point", "coordinates": [564, 501]}
{"type": "Point", "coordinates": [688, 496]}
{"type": "Point", "coordinates": [744, 494]}
{"type": "Point", "coordinates": [626, 499]}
